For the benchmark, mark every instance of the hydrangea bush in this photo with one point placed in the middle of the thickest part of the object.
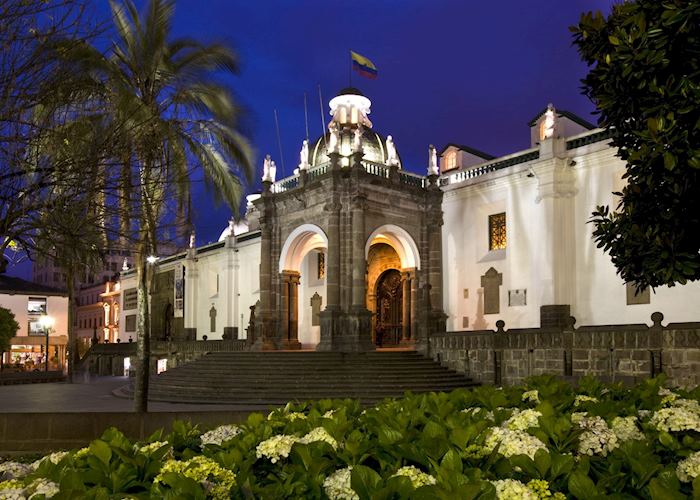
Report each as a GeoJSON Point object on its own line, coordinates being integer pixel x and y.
{"type": "Point", "coordinates": [545, 439]}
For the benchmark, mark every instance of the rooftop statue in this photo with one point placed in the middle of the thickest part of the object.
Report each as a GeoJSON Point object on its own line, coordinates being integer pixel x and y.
{"type": "Point", "coordinates": [333, 143]}
{"type": "Point", "coordinates": [266, 169]}
{"type": "Point", "coordinates": [432, 161]}
{"type": "Point", "coordinates": [304, 155]}
{"type": "Point", "coordinates": [550, 121]}
{"type": "Point", "coordinates": [391, 157]}
{"type": "Point", "coordinates": [192, 240]}
{"type": "Point", "coordinates": [273, 171]}
{"type": "Point", "coordinates": [357, 140]}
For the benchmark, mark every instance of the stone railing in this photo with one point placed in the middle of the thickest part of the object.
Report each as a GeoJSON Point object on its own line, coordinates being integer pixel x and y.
{"type": "Point", "coordinates": [108, 359]}
{"type": "Point", "coordinates": [485, 168]}
{"type": "Point", "coordinates": [378, 169]}
{"type": "Point", "coordinates": [613, 352]}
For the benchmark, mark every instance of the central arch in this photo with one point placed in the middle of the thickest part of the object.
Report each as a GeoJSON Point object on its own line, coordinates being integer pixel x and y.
{"type": "Point", "coordinates": [302, 286]}
{"type": "Point", "coordinates": [393, 263]}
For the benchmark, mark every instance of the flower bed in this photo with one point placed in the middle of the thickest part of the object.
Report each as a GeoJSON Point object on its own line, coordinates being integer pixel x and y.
{"type": "Point", "coordinates": [545, 439]}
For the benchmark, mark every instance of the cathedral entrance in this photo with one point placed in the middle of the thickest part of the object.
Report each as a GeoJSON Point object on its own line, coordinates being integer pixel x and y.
{"type": "Point", "coordinates": [388, 327]}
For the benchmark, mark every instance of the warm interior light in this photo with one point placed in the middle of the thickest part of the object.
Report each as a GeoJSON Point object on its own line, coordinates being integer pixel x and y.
{"type": "Point", "coordinates": [47, 321]}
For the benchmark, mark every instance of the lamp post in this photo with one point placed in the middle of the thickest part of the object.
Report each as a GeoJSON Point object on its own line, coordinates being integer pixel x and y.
{"type": "Point", "coordinates": [47, 322]}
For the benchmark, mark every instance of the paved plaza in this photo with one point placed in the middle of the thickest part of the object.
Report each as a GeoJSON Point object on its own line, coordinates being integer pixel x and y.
{"type": "Point", "coordinates": [93, 396]}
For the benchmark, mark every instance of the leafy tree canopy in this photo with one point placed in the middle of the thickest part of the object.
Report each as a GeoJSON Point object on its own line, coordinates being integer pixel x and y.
{"type": "Point", "coordinates": [645, 80]}
{"type": "Point", "coordinates": [8, 328]}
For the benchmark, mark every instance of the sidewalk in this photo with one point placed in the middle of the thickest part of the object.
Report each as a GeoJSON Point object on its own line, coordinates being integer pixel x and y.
{"type": "Point", "coordinates": [95, 396]}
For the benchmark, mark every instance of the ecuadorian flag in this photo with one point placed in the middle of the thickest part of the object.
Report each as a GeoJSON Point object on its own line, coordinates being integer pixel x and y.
{"type": "Point", "coordinates": [363, 65]}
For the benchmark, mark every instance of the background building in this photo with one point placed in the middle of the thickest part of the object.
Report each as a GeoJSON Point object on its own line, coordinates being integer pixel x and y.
{"type": "Point", "coordinates": [29, 301]}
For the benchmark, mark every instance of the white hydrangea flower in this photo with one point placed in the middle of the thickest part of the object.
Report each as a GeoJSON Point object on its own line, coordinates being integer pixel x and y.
{"type": "Point", "coordinates": [418, 477]}
{"type": "Point", "coordinates": [688, 404]}
{"type": "Point", "coordinates": [688, 469]}
{"type": "Point", "coordinates": [676, 419]}
{"type": "Point", "coordinates": [220, 435]}
{"type": "Point", "coordinates": [577, 416]}
{"type": "Point", "coordinates": [512, 489]}
{"type": "Point", "coordinates": [329, 414]}
{"type": "Point", "coordinates": [597, 438]}
{"type": "Point", "coordinates": [668, 396]}
{"type": "Point", "coordinates": [151, 447]}
{"type": "Point", "coordinates": [337, 486]}
{"type": "Point", "coordinates": [12, 490]}
{"type": "Point", "coordinates": [522, 420]}
{"type": "Point", "coordinates": [42, 486]}
{"type": "Point", "coordinates": [512, 443]}
{"type": "Point", "coordinates": [53, 457]}
{"type": "Point", "coordinates": [13, 470]}
{"type": "Point", "coordinates": [476, 411]}
{"type": "Point", "coordinates": [319, 434]}
{"type": "Point", "coordinates": [217, 480]}
{"type": "Point", "coordinates": [532, 396]}
{"type": "Point", "coordinates": [296, 415]}
{"type": "Point", "coordinates": [643, 413]}
{"type": "Point", "coordinates": [276, 447]}
{"type": "Point", "coordinates": [625, 428]}
{"type": "Point", "coordinates": [582, 398]}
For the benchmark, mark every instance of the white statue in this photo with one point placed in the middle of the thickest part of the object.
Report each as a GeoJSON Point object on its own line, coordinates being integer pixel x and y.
{"type": "Point", "coordinates": [192, 242]}
{"type": "Point", "coordinates": [273, 171]}
{"type": "Point", "coordinates": [231, 224]}
{"type": "Point", "coordinates": [304, 155]}
{"type": "Point", "coordinates": [125, 265]}
{"type": "Point", "coordinates": [391, 157]}
{"type": "Point", "coordinates": [357, 141]}
{"type": "Point", "coordinates": [550, 120]}
{"type": "Point", "coordinates": [266, 169]}
{"type": "Point", "coordinates": [432, 161]}
{"type": "Point", "coordinates": [334, 141]}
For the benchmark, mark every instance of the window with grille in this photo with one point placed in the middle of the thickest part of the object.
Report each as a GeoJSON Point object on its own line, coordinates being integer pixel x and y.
{"type": "Point", "coordinates": [497, 231]}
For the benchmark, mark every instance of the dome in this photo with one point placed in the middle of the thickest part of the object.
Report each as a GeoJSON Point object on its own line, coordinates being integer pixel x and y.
{"type": "Point", "coordinates": [373, 144]}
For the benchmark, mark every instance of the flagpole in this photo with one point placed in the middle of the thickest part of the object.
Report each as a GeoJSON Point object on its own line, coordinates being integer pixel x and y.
{"type": "Point", "coordinates": [279, 142]}
{"type": "Point", "coordinates": [323, 120]}
{"type": "Point", "coordinates": [306, 118]}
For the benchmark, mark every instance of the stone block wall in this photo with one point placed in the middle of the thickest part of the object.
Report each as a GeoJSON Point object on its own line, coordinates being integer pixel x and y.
{"type": "Point", "coordinates": [627, 353]}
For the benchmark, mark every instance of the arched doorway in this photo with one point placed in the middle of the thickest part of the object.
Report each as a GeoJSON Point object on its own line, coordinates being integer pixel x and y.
{"type": "Point", "coordinates": [388, 321]}
{"type": "Point", "coordinates": [302, 286]}
{"type": "Point", "coordinates": [393, 263]}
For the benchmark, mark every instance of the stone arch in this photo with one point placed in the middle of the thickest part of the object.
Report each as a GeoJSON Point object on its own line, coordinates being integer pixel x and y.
{"type": "Point", "coordinates": [400, 240]}
{"type": "Point", "coordinates": [301, 241]}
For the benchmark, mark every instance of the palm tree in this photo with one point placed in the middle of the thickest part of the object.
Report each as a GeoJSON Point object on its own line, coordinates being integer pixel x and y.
{"type": "Point", "coordinates": [172, 116]}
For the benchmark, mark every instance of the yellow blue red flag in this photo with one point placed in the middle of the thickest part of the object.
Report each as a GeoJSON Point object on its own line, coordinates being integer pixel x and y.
{"type": "Point", "coordinates": [363, 66]}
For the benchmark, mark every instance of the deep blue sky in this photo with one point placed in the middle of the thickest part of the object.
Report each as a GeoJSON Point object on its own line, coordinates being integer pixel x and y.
{"type": "Point", "coordinates": [449, 70]}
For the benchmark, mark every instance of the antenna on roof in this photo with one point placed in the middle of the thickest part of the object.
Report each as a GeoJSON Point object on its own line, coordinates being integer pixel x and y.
{"type": "Point", "coordinates": [279, 142]}
{"type": "Point", "coordinates": [323, 119]}
{"type": "Point", "coordinates": [306, 118]}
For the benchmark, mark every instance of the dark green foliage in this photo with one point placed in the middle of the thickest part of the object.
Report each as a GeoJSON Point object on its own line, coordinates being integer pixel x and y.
{"type": "Point", "coordinates": [8, 328]}
{"type": "Point", "coordinates": [645, 80]}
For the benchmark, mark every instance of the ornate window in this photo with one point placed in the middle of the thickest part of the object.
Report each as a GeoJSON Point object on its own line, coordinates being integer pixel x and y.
{"type": "Point", "coordinates": [321, 265]}
{"type": "Point", "coordinates": [497, 231]}
{"type": "Point", "coordinates": [451, 160]}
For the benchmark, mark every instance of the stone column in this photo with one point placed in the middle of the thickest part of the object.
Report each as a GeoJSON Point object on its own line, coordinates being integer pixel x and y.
{"type": "Point", "coordinates": [290, 310]}
{"type": "Point", "coordinates": [265, 328]}
{"type": "Point", "coordinates": [414, 305]}
{"type": "Point", "coordinates": [359, 263]}
{"type": "Point", "coordinates": [330, 316]}
{"type": "Point", "coordinates": [191, 288]}
{"type": "Point", "coordinates": [405, 307]}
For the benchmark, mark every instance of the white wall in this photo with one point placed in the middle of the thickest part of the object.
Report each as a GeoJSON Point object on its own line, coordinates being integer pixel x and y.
{"type": "Point", "coordinates": [599, 295]}
{"type": "Point", "coordinates": [309, 335]}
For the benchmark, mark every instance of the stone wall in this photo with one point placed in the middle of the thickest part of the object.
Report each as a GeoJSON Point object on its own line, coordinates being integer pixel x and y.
{"type": "Point", "coordinates": [627, 353]}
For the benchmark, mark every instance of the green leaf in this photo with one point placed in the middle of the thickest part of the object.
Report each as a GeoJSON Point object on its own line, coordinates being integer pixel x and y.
{"type": "Point", "coordinates": [101, 450]}
{"type": "Point", "coordinates": [364, 481]}
{"type": "Point", "coordinates": [543, 461]}
{"type": "Point", "coordinates": [661, 491]}
{"type": "Point", "coordinates": [614, 40]}
{"type": "Point", "coordinates": [452, 461]}
{"type": "Point", "coordinates": [581, 486]}
{"type": "Point", "coordinates": [388, 436]}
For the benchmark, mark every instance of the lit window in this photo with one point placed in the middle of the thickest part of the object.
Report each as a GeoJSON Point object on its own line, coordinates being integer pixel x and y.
{"type": "Point", "coordinates": [497, 231]}
{"type": "Point", "coordinates": [451, 160]}
{"type": "Point", "coordinates": [36, 305]}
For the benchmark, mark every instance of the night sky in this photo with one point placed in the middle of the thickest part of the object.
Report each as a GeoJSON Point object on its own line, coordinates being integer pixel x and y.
{"type": "Point", "coordinates": [467, 72]}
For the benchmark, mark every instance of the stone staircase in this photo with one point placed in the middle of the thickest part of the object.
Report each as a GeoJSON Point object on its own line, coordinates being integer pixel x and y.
{"type": "Point", "coordinates": [278, 377]}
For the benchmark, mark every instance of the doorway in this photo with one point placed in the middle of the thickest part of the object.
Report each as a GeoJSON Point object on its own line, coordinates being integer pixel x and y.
{"type": "Point", "coordinates": [388, 324]}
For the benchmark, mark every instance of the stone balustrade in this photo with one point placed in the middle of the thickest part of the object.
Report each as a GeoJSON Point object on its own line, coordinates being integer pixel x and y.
{"type": "Point", "coordinates": [614, 352]}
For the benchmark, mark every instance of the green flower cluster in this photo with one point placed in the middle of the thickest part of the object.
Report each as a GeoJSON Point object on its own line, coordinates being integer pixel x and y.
{"type": "Point", "coordinates": [545, 439]}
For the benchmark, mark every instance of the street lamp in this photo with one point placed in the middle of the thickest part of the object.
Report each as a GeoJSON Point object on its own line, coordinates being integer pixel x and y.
{"type": "Point", "coordinates": [47, 323]}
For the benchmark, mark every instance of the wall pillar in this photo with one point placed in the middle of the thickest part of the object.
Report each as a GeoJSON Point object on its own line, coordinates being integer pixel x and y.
{"type": "Point", "coordinates": [265, 337]}
{"type": "Point", "coordinates": [290, 310]}
{"type": "Point", "coordinates": [191, 296]}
